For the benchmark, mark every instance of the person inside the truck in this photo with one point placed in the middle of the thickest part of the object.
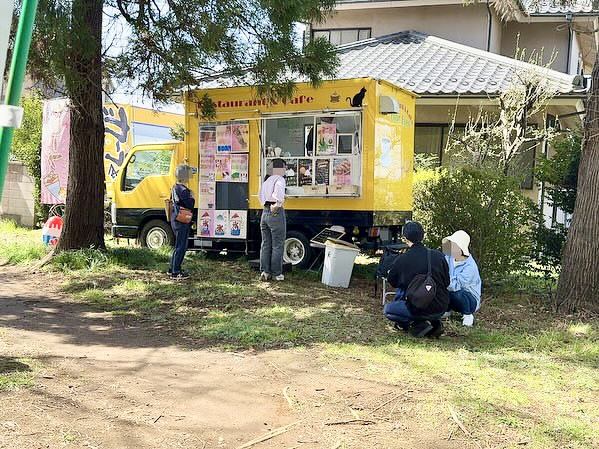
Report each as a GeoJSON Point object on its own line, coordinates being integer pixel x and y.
{"type": "Point", "coordinates": [415, 261]}
{"type": "Point", "coordinates": [182, 196]}
{"type": "Point", "coordinates": [272, 223]}
{"type": "Point", "coordinates": [465, 286]}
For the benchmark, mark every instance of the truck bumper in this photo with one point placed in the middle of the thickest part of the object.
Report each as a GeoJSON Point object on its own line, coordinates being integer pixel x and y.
{"type": "Point", "coordinates": [125, 232]}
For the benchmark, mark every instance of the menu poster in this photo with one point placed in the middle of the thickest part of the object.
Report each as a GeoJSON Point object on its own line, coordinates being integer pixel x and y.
{"type": "Point", "coordinates": [207, 141]}
{"type": "Point", "coordinates": [291, 172]}
{"type": "Point", "coordinates": [305, 170]}
{"type": "Point", "coordinates": [342, 172]}
{"type": "Point", "coordinates": [207, 167]}
{"type": "Point", "coordinates": [221, 223]}
{"type": "Point", "coordinates": [237, 224]}
{"type": "Point", "coordinates": [207, 195]}
{"type": "Point", "coordinates": [322, 171]}
{"type": "Point", "coordinates": [240, 135]}
{"type": "Point", "coordinates": [239, 168]}
{"type": "Point", "coordinates": [326, 139]}
{"type": "Point", "coordinates": [223, 167]}
{"type": "Point", "coordinates": [206, 226]}
{"type": "Point", "coordinates": [223, 138]}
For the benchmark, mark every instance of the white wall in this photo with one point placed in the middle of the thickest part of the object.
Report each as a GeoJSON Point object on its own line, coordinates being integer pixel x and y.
{"type": "Point", "coordinates": [465, 25]}
{"type": "Point", "coordinates": [17, 199]}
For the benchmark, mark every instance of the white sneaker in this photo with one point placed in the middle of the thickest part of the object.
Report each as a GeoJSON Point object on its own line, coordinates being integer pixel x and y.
{"type": "Point", "coordinates": [280, 277]}
{"type": "Point", "coordinates": [264, 276]}
{"type": "Point", "coordinates": [468, 320]}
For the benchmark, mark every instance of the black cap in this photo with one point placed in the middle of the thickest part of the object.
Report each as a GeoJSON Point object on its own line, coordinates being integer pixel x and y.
{"type": "Point", "coordinates": [413, 231]}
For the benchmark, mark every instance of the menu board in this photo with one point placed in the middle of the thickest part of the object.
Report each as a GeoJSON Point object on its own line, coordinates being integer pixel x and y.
{"type": "Point", "coordinates": [326, 139]}
{"type": "Point", "coordinates": [342, 171]}
{"type": "Point", "coordinates": [223, 138]}
{"type": "Point", "coordinates": [207, 195]}
{"type": "Point", "coordinates": [305, 172]}
{"type": "Point", "coordinates": [207, 167]}
{"type": "Point", "coordinates": [240, 137]}
{"type": "Point", "coordinates": [291, 172]}
{"type": "Point", "coordinates": [223, 167]}
{"type": "Point", "coordinates": [322, 171]}
{"type": "Point", "coordinates": [206, 223]}
{"type": "Point", "coordinates": [239, 167]}
{"type": "Point", "coordinates": [224, 157]}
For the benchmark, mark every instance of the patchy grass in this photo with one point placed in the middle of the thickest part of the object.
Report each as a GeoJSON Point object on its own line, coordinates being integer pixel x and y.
{"type": "Point", "coordinates": [19, 245]}
{"type": "Point", "coordinates": [521, 377]}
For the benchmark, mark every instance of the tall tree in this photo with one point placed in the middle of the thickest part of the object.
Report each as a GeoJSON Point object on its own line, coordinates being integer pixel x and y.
{"type": "Point", "coordinates": [578, 286]}
{"type": "Point", "coordinates": [161, 47]}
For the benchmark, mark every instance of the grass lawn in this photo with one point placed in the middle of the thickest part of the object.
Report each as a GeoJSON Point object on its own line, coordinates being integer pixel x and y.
{"type": "Point", "coordinates": [523, 374]}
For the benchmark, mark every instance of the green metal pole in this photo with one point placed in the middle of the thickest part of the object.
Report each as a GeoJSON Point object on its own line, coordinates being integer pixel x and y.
{"type": "Point", "coordinates": [16, 75]}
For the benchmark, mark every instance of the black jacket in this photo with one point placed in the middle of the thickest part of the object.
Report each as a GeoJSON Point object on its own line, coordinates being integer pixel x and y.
{"type": "Point", "coordinates": [413, 262]}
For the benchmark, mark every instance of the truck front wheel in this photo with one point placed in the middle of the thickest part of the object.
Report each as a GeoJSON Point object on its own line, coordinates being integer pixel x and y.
{"type": "Point", "coordinates": [156, 234]}
{"type": "Point", "coordinates": [297, 250]}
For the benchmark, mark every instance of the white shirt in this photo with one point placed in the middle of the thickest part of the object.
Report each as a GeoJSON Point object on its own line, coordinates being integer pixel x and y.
{"type": "Point", "coordinates": [272, 190]}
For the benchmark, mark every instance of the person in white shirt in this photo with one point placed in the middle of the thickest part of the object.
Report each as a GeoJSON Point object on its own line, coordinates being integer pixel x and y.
{"type": "Point", "coordinates": [272, 223]}
{"type": "Point", "coordinates": [465, 283]}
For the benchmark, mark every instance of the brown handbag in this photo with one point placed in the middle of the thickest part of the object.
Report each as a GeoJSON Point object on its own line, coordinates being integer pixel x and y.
{"type": "Point", "coordinates": [184, 216]}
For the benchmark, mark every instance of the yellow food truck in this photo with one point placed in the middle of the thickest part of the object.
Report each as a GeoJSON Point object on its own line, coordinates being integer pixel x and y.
{"type": "Point", "coordinates": [349, 164]}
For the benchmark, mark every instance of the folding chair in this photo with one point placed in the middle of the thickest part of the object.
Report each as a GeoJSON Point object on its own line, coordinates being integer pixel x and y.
{"type": "Point", "coordinates": [390, 253]}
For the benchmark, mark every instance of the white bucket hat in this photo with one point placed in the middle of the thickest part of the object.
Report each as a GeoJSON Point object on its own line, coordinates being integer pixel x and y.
{"type": "Point", "coordinates": [460, 238]}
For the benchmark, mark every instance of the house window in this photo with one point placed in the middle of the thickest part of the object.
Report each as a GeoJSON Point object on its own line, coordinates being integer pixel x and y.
{"type": "Point", "coordinates": [343, 36]}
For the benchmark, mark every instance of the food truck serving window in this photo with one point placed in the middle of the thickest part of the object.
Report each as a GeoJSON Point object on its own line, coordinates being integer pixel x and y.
{"type": "Point", "coordinates": [323, 152]}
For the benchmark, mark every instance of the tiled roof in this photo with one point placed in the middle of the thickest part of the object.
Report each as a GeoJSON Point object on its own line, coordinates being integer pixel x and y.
{"type": "Point", "coordinates": [429, 65]}
{"type": "Point", "coordinates": [544, 7]}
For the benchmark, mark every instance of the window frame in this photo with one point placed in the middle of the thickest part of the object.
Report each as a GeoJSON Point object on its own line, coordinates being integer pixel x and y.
{"type": "Point", "coordinates": [137, 153]}
{"type": "Point", "coordinates": [329, 30]}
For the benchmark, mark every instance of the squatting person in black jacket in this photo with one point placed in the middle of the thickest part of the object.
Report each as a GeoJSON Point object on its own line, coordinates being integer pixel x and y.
{"type": "Point", "coordinates": [408, 265]}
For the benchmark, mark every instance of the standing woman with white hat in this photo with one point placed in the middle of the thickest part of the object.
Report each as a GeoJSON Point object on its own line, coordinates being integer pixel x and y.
{"type": "Point", "coordinates": [465, 283]}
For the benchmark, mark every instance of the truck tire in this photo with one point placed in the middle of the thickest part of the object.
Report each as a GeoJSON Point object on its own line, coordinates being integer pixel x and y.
{"type": "Point", "coordinates": [296, 250]}
{"type": "Point", "coordinates": [156, 234]}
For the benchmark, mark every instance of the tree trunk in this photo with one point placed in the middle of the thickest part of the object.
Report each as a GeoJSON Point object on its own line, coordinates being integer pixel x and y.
{"type": "Point", "coordinates": [578, 287]}
{"type": "Point", "coordinates": [84, 211]}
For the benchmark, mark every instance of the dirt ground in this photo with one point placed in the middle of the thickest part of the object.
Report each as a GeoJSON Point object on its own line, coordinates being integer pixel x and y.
{"type": "Point", "coordinates": [111, 382]}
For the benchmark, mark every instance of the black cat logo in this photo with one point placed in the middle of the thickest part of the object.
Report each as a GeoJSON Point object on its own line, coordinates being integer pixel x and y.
{"type": "Point", "coordinates": [358, 98]}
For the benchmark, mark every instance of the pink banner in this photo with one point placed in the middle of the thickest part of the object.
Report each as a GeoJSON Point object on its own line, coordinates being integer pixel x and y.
{"type": "Point", "coordinates": [55, 151]}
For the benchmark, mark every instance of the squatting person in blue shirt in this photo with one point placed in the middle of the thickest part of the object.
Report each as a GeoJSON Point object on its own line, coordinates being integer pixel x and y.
{"type": "Point", "coordinates": [465, 283]}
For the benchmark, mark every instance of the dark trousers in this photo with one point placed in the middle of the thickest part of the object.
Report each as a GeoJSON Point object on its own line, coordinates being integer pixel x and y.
{"type": "Point", "coordinates": [398, 311]}
{"type": "Point", "coordinates": [181, 231]}
{"type": "Point", "coordinates": [463, 302]}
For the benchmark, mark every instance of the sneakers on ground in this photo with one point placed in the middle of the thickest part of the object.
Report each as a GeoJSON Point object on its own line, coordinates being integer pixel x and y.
{"type": "Point", "coordinates": [280, 277]}
{"type": "Point", "coordinates": [403, 327]}
{"type": "Point", "coordinates": [468, 320]}
{"type": "Point", "coordinates": [179, 276]}
{"type": "Point", "coordinates": [264, 276]}
{"type": "Point", "coordinates": [419, 329]}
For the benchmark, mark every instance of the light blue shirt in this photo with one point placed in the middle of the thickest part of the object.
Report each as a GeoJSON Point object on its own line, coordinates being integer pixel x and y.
{"type": "Point", "coordinates": [464, 276]}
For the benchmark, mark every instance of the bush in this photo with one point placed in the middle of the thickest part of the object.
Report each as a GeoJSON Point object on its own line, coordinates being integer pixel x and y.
{"type": "Point", "coordinates": [483, 202]}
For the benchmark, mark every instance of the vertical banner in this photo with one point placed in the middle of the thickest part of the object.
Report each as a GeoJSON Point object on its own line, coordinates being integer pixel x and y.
{"type": "Point", "coordinates": [55, 151]}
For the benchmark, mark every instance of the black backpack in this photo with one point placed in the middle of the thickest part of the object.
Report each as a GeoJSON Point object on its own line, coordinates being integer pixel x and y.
{"type": "Point", "coordinates": [422, 289]}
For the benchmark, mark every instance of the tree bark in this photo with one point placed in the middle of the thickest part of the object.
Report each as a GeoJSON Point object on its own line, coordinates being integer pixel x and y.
{"type": "Point", "coordinates": [578, 287]}
{"type": "Point", "coordinates": [84, 211]}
